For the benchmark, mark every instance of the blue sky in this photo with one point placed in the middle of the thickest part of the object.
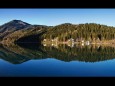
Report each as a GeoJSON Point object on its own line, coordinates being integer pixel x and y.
{"type": "Point", "coordinates": [58, 16]}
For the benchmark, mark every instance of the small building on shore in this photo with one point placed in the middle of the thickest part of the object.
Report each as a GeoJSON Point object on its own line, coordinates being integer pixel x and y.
{"type": "Point", "coordinates": [87, 42]}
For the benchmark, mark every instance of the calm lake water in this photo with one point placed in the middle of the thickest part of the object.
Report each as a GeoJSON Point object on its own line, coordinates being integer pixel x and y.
{"type": "Point", "coordinates": [33, 60]}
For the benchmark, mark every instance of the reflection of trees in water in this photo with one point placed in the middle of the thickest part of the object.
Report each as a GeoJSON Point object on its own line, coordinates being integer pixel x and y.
{"type": "Point", "coordinates": [20, 53]}
{"type": "Point", "coordinates": [86, 53]}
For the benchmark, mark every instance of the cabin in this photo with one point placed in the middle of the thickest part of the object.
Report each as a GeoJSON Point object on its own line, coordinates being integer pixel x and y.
{"type": "Point", "coordinates": [72, 40]}
{"type": "Point", "coordinates": [87, 42]}
{"type": "Point", "coordinates": [44, 40]}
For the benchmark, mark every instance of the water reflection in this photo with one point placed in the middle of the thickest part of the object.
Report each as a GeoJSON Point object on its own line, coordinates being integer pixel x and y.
{"type": "Point", "coordinates": [19, 53]}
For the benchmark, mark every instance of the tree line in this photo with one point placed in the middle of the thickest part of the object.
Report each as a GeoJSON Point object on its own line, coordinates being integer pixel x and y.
{"type": "Point", "coordinates": [87, 31]}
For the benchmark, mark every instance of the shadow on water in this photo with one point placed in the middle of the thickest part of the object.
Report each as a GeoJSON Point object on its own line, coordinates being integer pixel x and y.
{"type": "Point", "coordinates": [21, 52]}
{"type": "Point", "coordinates": [11, 57]}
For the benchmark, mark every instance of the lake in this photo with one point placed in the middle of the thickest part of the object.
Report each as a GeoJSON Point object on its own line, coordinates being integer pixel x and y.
{"type": "Point", "coordinates": [34, 60]}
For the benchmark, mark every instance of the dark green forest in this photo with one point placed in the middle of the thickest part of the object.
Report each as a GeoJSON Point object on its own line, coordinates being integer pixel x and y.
{"type": "Point", "coordinates": [88, 32]}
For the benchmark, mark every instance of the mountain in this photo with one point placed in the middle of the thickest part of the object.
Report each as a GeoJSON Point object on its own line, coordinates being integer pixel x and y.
{"type": "Point", "coordinates": [19, 31]}
{"type": "Point", "coordinates": [31, 34]}
{"type": "Point", "coordinates": [12, 26]}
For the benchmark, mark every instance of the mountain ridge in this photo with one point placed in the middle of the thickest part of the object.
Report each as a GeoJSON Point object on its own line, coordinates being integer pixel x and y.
{"type": "Point", "coordinates": [12, 26]}
{"type": "Point", "coordinates": [65, 32]}
{"type": "Point", "coordinates": [15, 25]}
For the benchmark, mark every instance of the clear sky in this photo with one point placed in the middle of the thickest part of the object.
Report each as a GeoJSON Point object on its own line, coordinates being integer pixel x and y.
{"type": "Point", "coordinates": [59, 16]}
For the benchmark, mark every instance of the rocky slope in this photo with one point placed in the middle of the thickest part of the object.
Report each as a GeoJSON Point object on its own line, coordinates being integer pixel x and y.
{"type": "Point", "coordinates": [12, 26]}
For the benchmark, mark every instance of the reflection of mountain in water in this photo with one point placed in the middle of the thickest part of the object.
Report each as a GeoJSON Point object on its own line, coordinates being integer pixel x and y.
{"type": "Point", "coordinates": [11, 56]}
{"type": "Point", "coordinates": [17, 54]}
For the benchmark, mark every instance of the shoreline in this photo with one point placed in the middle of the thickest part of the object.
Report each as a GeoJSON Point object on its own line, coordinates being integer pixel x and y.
{"type": "Point", "coordinates": [55, 43]}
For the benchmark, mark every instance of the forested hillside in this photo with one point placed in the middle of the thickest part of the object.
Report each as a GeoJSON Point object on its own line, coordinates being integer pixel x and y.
{"type": "Point", "coordinates": [25, 35]}
{"type": "Point", "coordinates": [88, 31]}
{"type": "Point", "coordinates": [19, 31]}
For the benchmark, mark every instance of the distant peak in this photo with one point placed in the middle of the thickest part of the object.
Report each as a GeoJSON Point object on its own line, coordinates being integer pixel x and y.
{"type": "Point", "coordinates": [16, 21]}
{"type": "Point", "coordinates": [19, 22]}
